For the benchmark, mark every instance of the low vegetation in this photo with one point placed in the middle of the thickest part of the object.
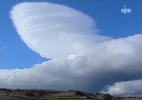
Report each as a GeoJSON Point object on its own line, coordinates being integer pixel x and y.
{"type": "Point", "coordinates": [8, 94]}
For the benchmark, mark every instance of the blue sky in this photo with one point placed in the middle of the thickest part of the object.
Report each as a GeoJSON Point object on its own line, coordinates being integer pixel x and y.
{"type": "Point", "coordinates": [111, 22]}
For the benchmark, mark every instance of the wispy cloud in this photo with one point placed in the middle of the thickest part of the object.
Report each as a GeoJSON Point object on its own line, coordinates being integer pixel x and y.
{"type": "Point", "coordinates": [3, 47]}
{"type": "Point", "coordinates": [81, 59]}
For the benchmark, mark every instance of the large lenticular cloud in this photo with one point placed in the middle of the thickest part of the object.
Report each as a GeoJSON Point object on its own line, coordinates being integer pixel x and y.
{"type": "Point", "coordinates": [81, 59]}
{"type": "Point", "coordinates": [54, 30]}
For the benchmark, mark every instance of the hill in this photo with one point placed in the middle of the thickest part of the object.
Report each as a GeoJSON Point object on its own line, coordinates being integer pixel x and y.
{"type": "Point", "coordinates": [8, 94]}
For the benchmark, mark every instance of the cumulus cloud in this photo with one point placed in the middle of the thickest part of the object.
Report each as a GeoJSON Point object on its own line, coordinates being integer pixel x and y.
{"type": "Point", "coordinates": [81, 58]}
{"type": "Point", "coordinates": [86, 72]}
{"type": "Point", "coordinates": [129, 88]}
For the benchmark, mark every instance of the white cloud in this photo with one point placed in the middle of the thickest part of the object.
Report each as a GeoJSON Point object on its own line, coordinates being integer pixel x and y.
{"type": "Point", "coordinates": [54, 30]}
{"type": "Point", "coordinates": [86, 72]}
{"type": "Point", "coordinates": [81, 58]}
{"type": "Point", "coordinates": [128, 88]}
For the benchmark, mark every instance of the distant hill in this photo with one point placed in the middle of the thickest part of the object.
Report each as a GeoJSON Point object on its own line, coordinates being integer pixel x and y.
{"type": "Point", "coordinates": [8, 94]}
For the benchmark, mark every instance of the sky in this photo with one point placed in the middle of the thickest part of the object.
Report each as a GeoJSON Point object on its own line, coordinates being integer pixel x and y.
{"type": "Point", "coordinates": [107, 14]}
{"type": "Point", "coordinates": [93, 27]}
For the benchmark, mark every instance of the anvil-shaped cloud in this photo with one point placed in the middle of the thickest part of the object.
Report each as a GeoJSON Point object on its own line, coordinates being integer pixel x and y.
{"type": "Point", "coordinates": [81, 58]}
